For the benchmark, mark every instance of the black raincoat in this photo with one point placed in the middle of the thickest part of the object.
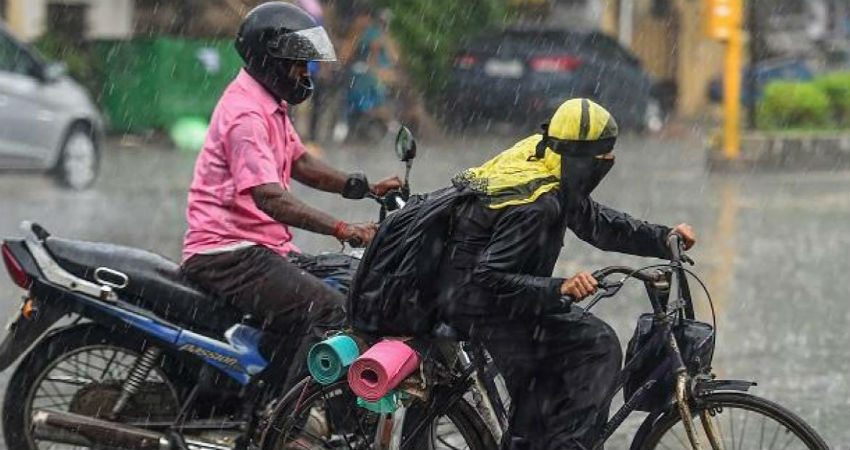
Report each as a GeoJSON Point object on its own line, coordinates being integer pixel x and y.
{"type": "Point", "coordinates": [495, 285]}
{"type": "Point", "coordinates": [448, 257]}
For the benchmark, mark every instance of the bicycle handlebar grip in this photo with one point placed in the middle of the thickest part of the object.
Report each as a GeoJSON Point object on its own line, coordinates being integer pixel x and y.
{"type": "Point", "coordinates": [597, 275]}
{"type": "Point", "coordinates": [674, 243]}
{"type": "Point", "coordinates": [355, 242]}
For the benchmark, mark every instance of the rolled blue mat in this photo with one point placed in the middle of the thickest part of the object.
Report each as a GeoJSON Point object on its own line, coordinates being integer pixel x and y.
{"type": "Point", "coordinates": [328, 360]}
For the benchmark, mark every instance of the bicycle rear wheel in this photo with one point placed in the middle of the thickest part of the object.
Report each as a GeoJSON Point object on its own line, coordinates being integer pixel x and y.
{"type": "Point", "coordinates": [742, 421]}
{"type": "Point", "coordinates": [326, 417]}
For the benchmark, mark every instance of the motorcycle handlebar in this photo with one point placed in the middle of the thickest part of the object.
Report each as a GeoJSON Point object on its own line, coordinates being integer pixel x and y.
{"type": "Point", "coordinates": [355, 243]}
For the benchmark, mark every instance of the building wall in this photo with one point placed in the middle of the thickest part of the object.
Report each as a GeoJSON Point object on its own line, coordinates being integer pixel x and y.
{"type": "Point", "coordinates": [106, 18]}
{"type": "Point", "coordinates": [671, 47]}
{"type": "Point", "coordinates": [699, 60]}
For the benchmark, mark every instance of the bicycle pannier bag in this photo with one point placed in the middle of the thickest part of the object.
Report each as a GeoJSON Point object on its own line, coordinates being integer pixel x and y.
{"type": "Point", "coordinates": [647, 350]}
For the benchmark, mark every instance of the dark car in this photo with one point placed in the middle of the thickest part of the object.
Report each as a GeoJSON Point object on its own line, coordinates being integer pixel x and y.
{"type": "Point", "coordinates": [522, 75]}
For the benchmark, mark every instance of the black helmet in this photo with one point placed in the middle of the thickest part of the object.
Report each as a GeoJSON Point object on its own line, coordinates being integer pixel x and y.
{"type": "Point", "coordinates": [272, 38]}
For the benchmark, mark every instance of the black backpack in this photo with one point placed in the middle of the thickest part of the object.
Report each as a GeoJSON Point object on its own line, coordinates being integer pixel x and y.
{"type": "Point", "coordinates": [393, 290]}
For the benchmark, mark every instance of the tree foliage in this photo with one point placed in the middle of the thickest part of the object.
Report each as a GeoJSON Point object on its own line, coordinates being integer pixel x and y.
{"type": "Point", "coordinates": [429, 32]}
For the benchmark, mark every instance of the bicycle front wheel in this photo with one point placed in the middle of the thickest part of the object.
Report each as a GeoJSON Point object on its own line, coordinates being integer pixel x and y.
{"type": "Point", "coordinates": [741, 421]}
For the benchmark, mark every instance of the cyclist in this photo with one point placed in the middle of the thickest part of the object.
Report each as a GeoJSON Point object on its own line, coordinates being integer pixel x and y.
{"type": "Point", "coordinates": [560, 363]}
{"type": "Point", "coordinates": [240, 208]}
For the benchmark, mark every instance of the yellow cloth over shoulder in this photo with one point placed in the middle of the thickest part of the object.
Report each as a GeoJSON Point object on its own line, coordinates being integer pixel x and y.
{"type": "Point", "coordinates": [514, 176]}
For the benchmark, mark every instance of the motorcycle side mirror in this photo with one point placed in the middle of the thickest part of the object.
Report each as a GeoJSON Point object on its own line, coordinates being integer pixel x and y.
{"type": "Point", "coordinates": [405, 145]}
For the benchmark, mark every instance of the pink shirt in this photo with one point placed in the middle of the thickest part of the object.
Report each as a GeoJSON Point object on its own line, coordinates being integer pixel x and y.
{"type": "Point", "coordinates": [250, 142]}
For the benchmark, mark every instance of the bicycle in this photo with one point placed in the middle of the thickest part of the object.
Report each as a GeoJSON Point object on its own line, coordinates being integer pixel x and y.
{"type": "Point", "coordinates": [688, 407]}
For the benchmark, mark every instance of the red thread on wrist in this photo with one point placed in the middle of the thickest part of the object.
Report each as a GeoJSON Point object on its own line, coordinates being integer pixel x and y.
{"type": "Point", "coordinates": [339, 230]}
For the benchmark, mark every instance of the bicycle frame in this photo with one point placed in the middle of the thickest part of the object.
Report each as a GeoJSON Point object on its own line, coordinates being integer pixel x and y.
{"type": "Point", "coordinates": [671, 278]}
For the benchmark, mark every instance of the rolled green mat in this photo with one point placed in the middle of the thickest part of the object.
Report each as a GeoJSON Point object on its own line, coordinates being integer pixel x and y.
{"type": "Point", "coordinates": [328, 360]}
{"type": "Point", "coordinates": [384, 405]}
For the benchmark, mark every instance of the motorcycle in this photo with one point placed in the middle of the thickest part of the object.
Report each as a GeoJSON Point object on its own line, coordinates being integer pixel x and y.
{"type": "Point", "coordinates": [144, 359]}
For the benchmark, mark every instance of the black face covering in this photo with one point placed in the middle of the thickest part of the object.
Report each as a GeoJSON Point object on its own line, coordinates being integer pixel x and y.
{"type": "Point", "coordinates": [581, 175]}
{"type": "Point", "coordinates": [283, 87]}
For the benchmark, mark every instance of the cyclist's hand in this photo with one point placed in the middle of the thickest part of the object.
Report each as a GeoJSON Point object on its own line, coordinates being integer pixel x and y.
{"type": "Point", "coordinates": [689, 237]}
{"type": "Point", "coordinates": [385, 185]}
{"type": "Point", "coordinates": [579, 286]}
{"type": "Point", "coordinates": [359, 234]}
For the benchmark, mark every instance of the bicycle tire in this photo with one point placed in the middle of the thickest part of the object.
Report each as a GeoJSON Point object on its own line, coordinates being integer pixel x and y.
{"type": "Point", "coordinates": [470, 425]}
{"type": "Point", "coordinates": [727, 402]}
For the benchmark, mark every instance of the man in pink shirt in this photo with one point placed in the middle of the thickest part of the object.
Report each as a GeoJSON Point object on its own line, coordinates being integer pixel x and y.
{"type": "Point", "coordinates": [240, 208]}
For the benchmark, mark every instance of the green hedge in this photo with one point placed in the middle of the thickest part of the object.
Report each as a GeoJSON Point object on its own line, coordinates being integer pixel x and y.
{"type": "Point", "coordinates": [428, 32]}
{"type": "Point", "coordinates": [822, 103]}
{"type": "Point", "coordinates": [836, 86]}
{"type": "Point", "coordinates": [793, 105]}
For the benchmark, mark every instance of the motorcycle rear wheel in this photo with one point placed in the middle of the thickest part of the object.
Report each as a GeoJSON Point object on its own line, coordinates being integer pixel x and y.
{"type": "Point", "coordinates": [82, 370]}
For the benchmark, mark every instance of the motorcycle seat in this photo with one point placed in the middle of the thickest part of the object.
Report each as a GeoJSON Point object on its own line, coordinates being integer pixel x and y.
{"type": "Point", "coordinates": [154, 282]}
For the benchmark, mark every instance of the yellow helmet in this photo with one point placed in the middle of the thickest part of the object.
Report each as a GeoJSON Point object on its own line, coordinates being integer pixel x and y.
{"type": "Point", "coordinates": [579, 127]}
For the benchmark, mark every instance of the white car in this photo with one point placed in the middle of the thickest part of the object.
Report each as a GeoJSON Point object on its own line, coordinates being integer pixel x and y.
{"type": "Point", "coordinates": [47, 121]}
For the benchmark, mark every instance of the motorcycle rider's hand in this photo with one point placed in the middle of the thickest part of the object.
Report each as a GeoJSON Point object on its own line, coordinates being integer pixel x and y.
{"type": "Point", "coordinates": [689, 236]}
{"type": "Point", "coordinates": [359, 233]}
{"type": "Point", "coordinates": [579, 286]}
{"type": "Point", "coordinates": [385, 185]}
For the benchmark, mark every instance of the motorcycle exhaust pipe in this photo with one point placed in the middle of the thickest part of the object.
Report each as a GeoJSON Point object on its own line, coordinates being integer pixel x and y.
{"type": "Point", "coordinates": [74, 429]}
{"type": "Point", "coordinates": [70, 428]}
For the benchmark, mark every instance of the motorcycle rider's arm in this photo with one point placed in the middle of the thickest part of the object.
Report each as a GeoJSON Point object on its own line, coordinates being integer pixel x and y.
{"type": "Point", "coordinates": [284, 207]}
{"type": "Point", "coordinates": [315, 173]}
{"type": "Point", "coordinates": [254, 168]}
{"type": "Point", "coordinates": [504, 266]}
{"type": "Point", "coordinates": [611, 230]}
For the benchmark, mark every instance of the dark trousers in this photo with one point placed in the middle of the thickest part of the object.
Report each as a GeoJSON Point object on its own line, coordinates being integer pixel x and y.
{"type": "Point", "coordinates": [296, 308]}
{"type": "Point", "coordinates": [561, 371]}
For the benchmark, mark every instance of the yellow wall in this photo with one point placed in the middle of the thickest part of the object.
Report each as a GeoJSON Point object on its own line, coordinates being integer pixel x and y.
{"type": "Point", "coordinates": [700, 60]}
{"type": "Point", "coordinates": [673, 48]}
{"type": "Point", "coordinates": [654, 43]}
{"type": "Point", "coordinates": [609, 17]}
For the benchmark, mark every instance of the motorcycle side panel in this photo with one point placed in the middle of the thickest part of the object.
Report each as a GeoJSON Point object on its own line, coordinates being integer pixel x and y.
{"type": "Point", "coordinates": [240, 359]}
{"type": "Point", "coordinates": [215, 353]}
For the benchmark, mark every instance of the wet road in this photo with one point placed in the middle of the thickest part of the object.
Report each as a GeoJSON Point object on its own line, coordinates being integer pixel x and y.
{"type": "Point", "coordinates": [774, 248]}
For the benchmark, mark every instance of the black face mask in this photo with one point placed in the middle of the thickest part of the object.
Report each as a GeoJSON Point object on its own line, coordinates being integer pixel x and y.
{"type": "Point", "coordinates": [283, 87]}
{"type": "Point", "coordinates": [581, 175]}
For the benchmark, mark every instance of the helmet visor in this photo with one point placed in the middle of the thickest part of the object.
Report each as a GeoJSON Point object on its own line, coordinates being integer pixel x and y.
{"type": "Point", "coordinates": [311, 44]}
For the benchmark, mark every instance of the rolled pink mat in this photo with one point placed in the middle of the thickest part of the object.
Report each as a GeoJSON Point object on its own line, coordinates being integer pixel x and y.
{"type": "Point", "coordinates": [381, 368]}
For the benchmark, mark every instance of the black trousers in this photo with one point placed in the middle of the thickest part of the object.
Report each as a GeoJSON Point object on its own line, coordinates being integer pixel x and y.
{"type": "Point", "coordinates": [296, 307]}
{"type": "Point", "coordinates": [561, 371]}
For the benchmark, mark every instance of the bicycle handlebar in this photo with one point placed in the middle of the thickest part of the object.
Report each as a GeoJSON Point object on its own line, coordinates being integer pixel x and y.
{"type": "Point", "coordinates": [676, 246]}
{"type": "Point", "coordinates": [674, 243]}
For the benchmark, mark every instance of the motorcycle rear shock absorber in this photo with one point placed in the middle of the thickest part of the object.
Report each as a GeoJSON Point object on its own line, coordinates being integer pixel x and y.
{"type": "Point", "coordinates": [138, 374]}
